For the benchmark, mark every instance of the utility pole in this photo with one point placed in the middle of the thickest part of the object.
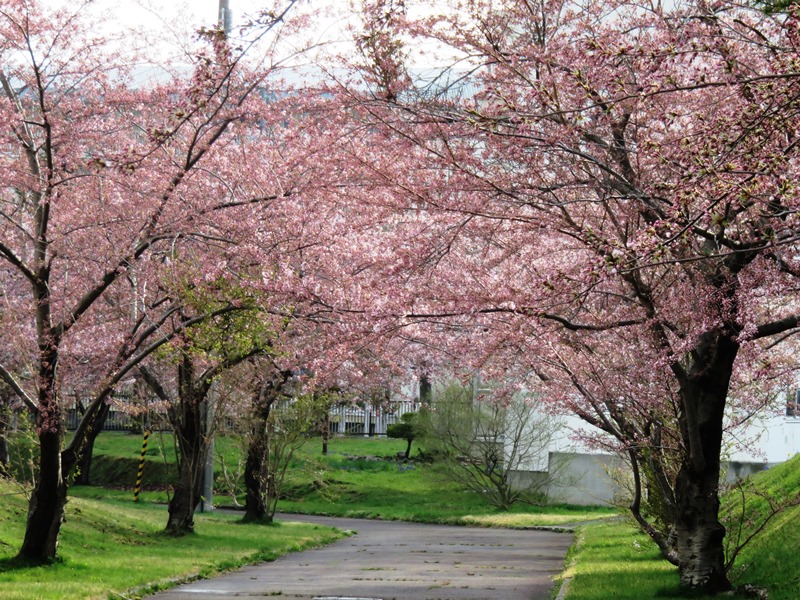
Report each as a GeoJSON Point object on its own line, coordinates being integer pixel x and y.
{"type": "Point", "coordinates": [207, 497]}
{"type": "Point", "coordinates": [225, 16]}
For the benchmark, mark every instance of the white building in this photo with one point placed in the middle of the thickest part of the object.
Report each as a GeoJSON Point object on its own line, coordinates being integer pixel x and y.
{"type": "Point", "coordinates": [763, 442]}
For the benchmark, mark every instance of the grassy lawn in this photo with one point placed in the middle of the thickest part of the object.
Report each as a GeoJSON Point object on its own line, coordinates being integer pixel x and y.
{"type": "Point", "coordinates": [772, 560]}
{"type": "Point", "coordinates": [610, 559]}
{"type": "Point", "coordinates": [105, 528]}
{"type": "Point", "coordinates": [614, 560]}
{"type": "Point", "coordinates": [381, 489]}
{"type": "Point", "coordinates": [359, 477]}
{"type": "Point", "coordinates": [99, 537]}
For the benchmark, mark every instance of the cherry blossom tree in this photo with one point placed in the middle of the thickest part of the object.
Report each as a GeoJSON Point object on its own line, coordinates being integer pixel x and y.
{"type": "Point", "coordinates": [183, 380]}
{"type": "Point", "coordinates": [597, 194]}
{"type": "Point", "coordinates": [268, 386]}
{"type": "Point", "coordinates": [103, 178]}
{"type": "Point", "coordinates": [275, 424]}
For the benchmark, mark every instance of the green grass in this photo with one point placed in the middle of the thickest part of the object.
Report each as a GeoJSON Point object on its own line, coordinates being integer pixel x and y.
{"type": "Point", "coordinates": [614, 560]}
{"type": "Point", "coordinates": [117, 455]}
{"type": "Point", "coordinates": [609, 560]}
{"type": "Point", "coordinates": [100, 537]}
{"type": "Point", "coordinates": [423, 494]}
{"type": "Point", "coordinates": [359, 477]}
{"type": "Point", "coordinates": [105, 528]}
{"type": "Point", "coordinates": [772, 559]}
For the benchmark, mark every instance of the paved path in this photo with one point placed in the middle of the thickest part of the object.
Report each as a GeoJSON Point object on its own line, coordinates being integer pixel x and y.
{"type": "Point", "coordinates": [391, 560]}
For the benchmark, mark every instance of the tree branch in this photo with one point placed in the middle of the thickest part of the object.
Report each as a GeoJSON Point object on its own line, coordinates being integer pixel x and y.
{"type": "Point", "coordinates": [14, 385]}
{"type": "Point", "coordinates": [154, 384]}
{"type": "Point", "coordinates": [88, 420]}
{"type": "Point", "coordinates": [17, 262]}
{"type": "Point", "coordinates": [776, 327]}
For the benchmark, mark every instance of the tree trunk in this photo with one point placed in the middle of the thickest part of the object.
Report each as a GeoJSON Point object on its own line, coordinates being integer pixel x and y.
{"type": "Point", "coordinates": [699, 532]}
{"type": "Point", "coordinates": [256, 474]}
{"type": "Point", "coordinates": [259, 475]}
{"type": "Point", "coordinates": [5, 415]}
{"type": "Point", "coordinates": [425, 389]}
{"type": "Point", "coordinates": [47, 503]}
{"type": "Point", "coordinates": [49, 497]}
{"type": "Point", "coordinates": [186, 496]}
{"type": "Point", "coordinates": [190, 425]}
{"type": "Point", "coordinates": [3, 453]}
{"type": "Point", "coordinates": [326, 432]}
{"type": "Point", "coordinates": [86, 452]}
{"type": "Point", "coordinates": [256, 469]}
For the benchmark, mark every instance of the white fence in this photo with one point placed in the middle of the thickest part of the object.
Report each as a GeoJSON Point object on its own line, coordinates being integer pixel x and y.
{"type": "Point", "coordinates": [349, 419]}
{"type": "Point", "coordinates": [345, 419]}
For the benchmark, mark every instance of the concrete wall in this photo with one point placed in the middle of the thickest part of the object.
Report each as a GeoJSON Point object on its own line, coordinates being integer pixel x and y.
{"type": "Point", "coordinates": [577, 478]}
{"type": "Point", "coordinates": [583, 479]}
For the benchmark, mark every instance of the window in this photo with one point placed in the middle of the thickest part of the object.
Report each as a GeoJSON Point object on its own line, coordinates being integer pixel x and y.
{"type": "Point", "coordinates": [793, 405]}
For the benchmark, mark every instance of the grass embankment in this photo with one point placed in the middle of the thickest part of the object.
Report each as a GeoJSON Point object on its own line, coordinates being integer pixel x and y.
{"type": "Point", "coordinates": [118, 549]}
{"type": "Point", "coordinates": [614, 560]}
{"type": "Point", "coordinates": [772, 559]}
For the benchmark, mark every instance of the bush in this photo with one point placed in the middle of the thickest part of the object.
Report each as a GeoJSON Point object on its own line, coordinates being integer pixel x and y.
{"type": "Point", "coordinates": [482, 442]}
{"type": "Point", "coordinates": [408, 429]}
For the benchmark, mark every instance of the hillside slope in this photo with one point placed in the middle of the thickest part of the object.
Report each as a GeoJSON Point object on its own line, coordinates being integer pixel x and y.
{"type": "Point", "coordinates": [772, 559]}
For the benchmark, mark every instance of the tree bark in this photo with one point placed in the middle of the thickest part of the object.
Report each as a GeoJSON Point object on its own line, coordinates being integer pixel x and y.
{"type": "Point", "coordinates": [47, 503]}
{"type": "Point", "coordinates": [186, 496]}
{"type": "Point", "coordinates": [259, 477]}
{"type": "Point", "coordinates": [49, 497]}
{"type": "Point", "coordinates": [5, 416]}
{"type": "Point", "coordinates": [256, 471]}
{"type": "Point", "coordinates": [425, 389]}
{"type": "Point", "coordinates": [3, 452]}
{"type": "Point", "coordinates": [87, 451]}
{"type": "Point", "coordinates": [699, 532]}
{"type": "Point", "coordinates": [191, 429]}
{"type": "Point", "coordinates": [325, 428]}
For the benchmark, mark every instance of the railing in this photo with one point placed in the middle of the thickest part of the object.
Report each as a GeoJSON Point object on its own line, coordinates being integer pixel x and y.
{"type": "Point", "coordinates": [346, 419]}
{"type": "Point", "coordinates": [349, 419]}
{"type": "Point", "coordinates": [118, 420]}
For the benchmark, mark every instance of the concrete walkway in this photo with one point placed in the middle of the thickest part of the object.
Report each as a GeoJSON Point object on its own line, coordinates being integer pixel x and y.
{"type": "Point", "coordinates": [402, 561]}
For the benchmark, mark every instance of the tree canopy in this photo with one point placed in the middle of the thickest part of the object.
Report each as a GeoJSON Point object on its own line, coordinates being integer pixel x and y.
{"type": "Point", "coordinates": [596, 196]}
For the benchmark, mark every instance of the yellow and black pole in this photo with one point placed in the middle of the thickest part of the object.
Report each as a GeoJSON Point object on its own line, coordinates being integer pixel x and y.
{"type": "Point", "coordinates": [141, 468]}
